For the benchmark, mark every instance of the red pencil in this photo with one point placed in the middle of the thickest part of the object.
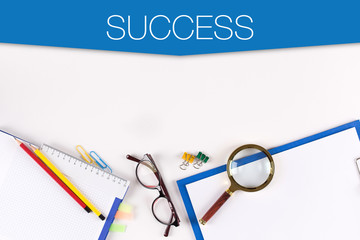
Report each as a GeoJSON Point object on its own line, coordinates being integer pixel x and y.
{"type": "Point", "coordinates": [56, 178]}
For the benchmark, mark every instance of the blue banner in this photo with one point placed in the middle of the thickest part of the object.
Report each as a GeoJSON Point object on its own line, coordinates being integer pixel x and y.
{"type": "Point", "coordinates": [180, 28]}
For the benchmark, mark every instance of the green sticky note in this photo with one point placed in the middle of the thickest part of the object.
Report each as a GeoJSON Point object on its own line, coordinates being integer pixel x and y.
{"type": "Point", "coordinates": [125, 208]}
{"type": "Point", "coordinates": [117, 228]}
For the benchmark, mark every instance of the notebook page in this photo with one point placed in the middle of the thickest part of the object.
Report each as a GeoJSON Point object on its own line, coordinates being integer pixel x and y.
{"type": "Point", "coordinates": [34, 206]}
{"type": "Point", "coordinates": [315, 194]}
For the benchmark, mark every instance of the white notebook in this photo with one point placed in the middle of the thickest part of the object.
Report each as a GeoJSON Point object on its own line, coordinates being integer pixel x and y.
{"type": "Point", "coordinates": [315, 194]}
{"type": "Point", "coordinates": [34, 207]}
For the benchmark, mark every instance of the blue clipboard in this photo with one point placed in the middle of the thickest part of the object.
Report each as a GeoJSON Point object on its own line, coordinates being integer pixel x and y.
{"type": "Point", "coordinates": [183, 182]}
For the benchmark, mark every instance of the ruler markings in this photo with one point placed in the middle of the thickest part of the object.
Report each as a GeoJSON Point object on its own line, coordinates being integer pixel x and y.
{"type": "Point", "coordinates": [83, 165]}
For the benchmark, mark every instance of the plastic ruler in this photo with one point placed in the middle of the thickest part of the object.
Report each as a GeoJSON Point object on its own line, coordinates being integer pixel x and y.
{"type": "Point", "coordinates": [82, 171]}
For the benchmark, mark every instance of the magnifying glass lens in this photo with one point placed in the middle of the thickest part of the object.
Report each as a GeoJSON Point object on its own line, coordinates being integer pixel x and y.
{"type": "Point", "coordinates": [250, 168]}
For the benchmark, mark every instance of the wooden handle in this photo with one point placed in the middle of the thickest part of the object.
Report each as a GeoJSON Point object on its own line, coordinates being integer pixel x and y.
{"type": "Point", "coordinates": [215, 207]}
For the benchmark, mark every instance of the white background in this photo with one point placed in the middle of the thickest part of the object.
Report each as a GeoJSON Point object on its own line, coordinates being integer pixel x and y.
{"type": "Point", "coordinates": [119, 103]}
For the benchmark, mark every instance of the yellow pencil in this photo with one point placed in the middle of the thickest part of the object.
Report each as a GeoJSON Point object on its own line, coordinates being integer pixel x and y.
{"type": "Point", "coordinates": [67, 182]}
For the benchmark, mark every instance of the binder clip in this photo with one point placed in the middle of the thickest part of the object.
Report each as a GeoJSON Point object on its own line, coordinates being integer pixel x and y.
{"type": "Point", "coordinates": [188, 158]}
{"type": "Point", "coordinates": [201, 159]}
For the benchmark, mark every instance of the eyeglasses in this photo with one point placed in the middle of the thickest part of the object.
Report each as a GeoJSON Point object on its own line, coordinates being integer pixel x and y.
{"type": "Point", "coordinates": [162, 207]}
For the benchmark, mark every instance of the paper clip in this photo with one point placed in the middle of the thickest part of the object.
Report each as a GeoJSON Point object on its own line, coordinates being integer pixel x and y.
{"type": "Point", "coordinates": [99, 161]}
{"type": "Point", "coordinates": [85, 155]}
{"type": "Point", "coordinates": [202, 158]}
{"type": "Point", "coordinates": [188, 158]}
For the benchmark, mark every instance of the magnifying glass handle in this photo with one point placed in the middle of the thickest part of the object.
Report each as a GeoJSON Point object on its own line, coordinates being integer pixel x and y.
{"type": "Point", "coordinates": [215, 207]}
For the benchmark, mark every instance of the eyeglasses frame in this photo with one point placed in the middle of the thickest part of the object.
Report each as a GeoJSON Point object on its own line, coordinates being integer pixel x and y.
{"type": "Point", "coordinates": [163, 192]}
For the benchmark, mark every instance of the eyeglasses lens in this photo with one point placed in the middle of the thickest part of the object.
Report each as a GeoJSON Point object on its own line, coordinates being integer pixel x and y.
{"type": "Point", "coordinates": [162, 211]}
{"type": "Point", "coordinates": [145, 172]}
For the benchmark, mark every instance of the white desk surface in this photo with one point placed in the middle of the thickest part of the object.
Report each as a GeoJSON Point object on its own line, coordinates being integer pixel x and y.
{"type": "Point", "coordinates": [119, 103]}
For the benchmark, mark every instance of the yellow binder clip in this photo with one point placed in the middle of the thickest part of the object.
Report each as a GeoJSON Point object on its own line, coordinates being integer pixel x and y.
{"type": "Point", "coordinates": [188, 158]}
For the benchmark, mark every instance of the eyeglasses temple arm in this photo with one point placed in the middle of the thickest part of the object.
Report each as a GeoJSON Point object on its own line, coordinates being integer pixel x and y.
{"type": "Point", "coordinates": [132, 158]}
{"type": "Point", "coordinates": [167, 230]}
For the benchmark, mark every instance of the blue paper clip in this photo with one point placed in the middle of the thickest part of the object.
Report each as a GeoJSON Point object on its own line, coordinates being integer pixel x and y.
{"type": "Point", "coordinates": [99, 161]}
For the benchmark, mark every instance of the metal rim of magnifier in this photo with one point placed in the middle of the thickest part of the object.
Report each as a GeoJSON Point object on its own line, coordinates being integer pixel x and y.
{"type": "Point", "coordinates": [234, 185]}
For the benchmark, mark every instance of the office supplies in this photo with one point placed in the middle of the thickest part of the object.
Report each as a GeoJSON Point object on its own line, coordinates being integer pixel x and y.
{"type": "Point", "coordinates": [124, 212]}
{"type": "Point", "coordinates": [315, 193]}
{"type": "Point", "coordinates": [149, 176]}
{"type": "Point", "coordinates": [101, 163]}
{"type": "Point", "coordinates": [125, 208]}
{"type": "Point", "coordinates": [32, 201]}
{"type": "Point", "coordinates": [110, 219]}
{"type": "Point", "coordinates": [68, 183]}
{"type": "Point", "coordinates": [85, 155]}
{"type": "Point", "coordinates": [201, 160]}
{"type": "Point", "coordinates": [117, 228]}
{"type": "Point", "coordinates": [123, 215]}
{"type": "Point", "coordinates": [245, 176]}
{"type": "Point", "coordinates": [188, 158]}
{"type": "Point", "coordinates": [53, 176]}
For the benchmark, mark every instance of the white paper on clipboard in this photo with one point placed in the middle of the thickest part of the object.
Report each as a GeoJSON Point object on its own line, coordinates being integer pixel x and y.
{"type": "Point", "coordinates": [315, 194]}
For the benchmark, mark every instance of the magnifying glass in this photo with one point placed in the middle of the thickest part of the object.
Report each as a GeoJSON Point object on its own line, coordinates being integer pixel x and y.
{"type": "Point", "coordinates": [251, 171]}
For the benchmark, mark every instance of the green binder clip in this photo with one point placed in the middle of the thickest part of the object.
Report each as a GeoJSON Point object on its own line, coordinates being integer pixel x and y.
{"type": "Point", "coordinates": [201, 160]}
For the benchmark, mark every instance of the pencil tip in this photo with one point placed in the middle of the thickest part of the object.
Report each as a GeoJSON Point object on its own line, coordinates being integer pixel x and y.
{"type": "Point", "coordinates": [33, 148]}
{"type": "Point", "coordinates": [102, 217]}
{"type": "Point", "coordinates": [19, 142]}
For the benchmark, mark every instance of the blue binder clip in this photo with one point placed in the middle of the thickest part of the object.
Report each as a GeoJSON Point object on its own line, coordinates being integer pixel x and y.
{"type": "Point", "coordinates": [100, 162]}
